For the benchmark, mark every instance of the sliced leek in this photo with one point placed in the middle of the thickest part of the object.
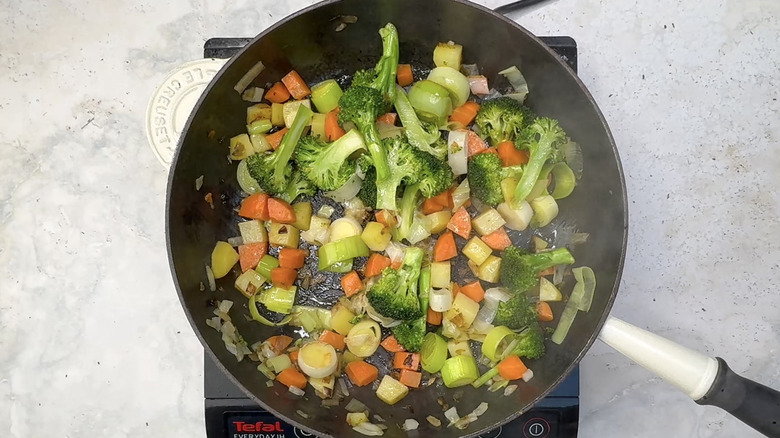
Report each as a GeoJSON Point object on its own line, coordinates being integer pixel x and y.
{"type": "Point", "coordinates": [584, 289]}
{"type": "Point", "coordinates": [496, 342]}
{"type": "Point", "coordinates": [433, 352]}
{"type": "Point", "coordinates": [341, 250]}
{"type": "Point", "coordinates": [459, 371]}
{"type": "Point", "coordinates": [260, 318]}
{"type": "Point", "coordinates": [363, 339]}
{"type": "Point", "coordinates": [317, 359]}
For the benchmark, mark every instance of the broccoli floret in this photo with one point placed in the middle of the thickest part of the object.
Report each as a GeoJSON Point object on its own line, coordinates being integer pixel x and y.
{"type": "Point", "coordinates": [422, 135]}
{"type": "Point", "coordinates": [328, 166]}
{"type": "Point", "coordinates": [542, 139]}
{"type": "Point", "coordinates": [410, 334]}
{"type": "Point", "coordinates": [361, 106]}
{"type": "Point", "coordinates": [298, 185]}
{"type": "Point", "coordinates": [502, 119]}
{"type": "Point", "coordinates": [367, 192]}
{"type": "Point", "coordinates": [394, 295]}
{"type": "Point", "coordinates": [435, 177]}
{"type": "Point", "coordinates": [519, 269]}
{"type": "Point", "coordinates": [404, 164]}
{"type": "Point", "coordinates": [531, 342]}
{"type": "Point", "coordinates": [516, 313]}
{"type": "Point", "coordinates": [485, 173]}
{"type": "Point", "coordinates": [382, 77]}
{"type": "Point", "coordinates": [272, 171]}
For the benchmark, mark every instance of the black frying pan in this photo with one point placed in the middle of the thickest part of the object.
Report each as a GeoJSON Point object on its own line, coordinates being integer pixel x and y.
{"type": "Point", "coordinates": [308, 42]}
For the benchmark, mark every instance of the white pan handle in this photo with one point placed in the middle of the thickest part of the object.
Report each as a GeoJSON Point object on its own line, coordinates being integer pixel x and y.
{"type": "Point", "coordinates": [684, 368]}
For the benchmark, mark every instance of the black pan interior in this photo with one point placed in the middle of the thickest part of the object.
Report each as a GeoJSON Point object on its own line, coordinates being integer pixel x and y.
{"type": "Point", "coordinates": [309, 43]}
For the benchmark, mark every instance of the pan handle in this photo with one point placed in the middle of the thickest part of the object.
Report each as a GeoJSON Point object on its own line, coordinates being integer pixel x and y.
{"type": "Point", "coordinates": [707, 380]}
{"type": "Point", "coordinates": [516, 5]}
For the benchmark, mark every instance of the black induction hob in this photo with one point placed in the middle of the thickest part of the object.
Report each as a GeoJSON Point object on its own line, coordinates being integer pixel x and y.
{"type": "Point", "coordinates": [231, 414]}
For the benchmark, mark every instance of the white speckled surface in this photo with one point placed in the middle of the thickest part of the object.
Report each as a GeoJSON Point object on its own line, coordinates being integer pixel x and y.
{"type": "Point", "coordinates": [92, 339]}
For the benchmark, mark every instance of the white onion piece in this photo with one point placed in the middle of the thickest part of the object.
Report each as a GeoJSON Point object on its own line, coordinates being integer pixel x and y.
{"type": "Point", "coordinates": [509, 390]}
{"type": "Point", "coordinates": [317, 359]}
{"type": "Point", "coordinates": [458, 152]}
{"type": "Point", "coordinates": [528, 375]}
{"type": "Point", "coordinates": [513, 75]}
{"type": "Point", "coordinates": [369, 429]}
{"type": "Point", "coordinates": [410, 424]}
{"type": "Point", "coordinates": [346, 192]}
{"type": "Point", "coordinates": [395, 251]}
{"type": "Point", "coordinates": [497, 295]}
{"type": "Point", "coordinates": [452, 415]}
{"type": "Point", "coordinates": [355, 405]}
{"type": "Point", "coordinates": [198, 183]}
{"type": "Point", "coordinates": [254, 94]}
{"type": "Point", "coordinates": [487, 313]}
{"type": "Point", "coordinates": [481, 409]}
{"type": "Point", "coordinates": [440, 300]}
{"type": "Point", "coordinates": [225, 305]}
{"type": "Point", "coordinates": [461, 194]}
{"type": "Point", "coordinates": [210, 278]}
{"type": "Point", "coordinates": [480, 328]}
{"type": "Point", "coordinates": [248, 77]}
{"type": "Point", "coordinates": [326, 211]}
{"type": "Point", "coordinates": [297, 391]}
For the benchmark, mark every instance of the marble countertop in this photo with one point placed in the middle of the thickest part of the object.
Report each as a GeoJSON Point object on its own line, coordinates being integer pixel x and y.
{"type": "Point", "coordinates": [93, 342]}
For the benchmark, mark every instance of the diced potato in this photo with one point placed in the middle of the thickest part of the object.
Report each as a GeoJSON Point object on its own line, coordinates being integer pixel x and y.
{"type": "Point", "coordinates": [241, 147]}
{"type": "Point", "coordinates": [284, 235]}
{"type": "Point", "coordinates": [253, 231]}
{"type": "Point", "coordinates": [249, 282]}
{"type": "Point", "coordinates": [318, 232]}
{"type": "Point", "coordinates": [341, 319]}
{"type": "Point", "coordinates": [223, 257]}
{"type": "Point", "coordinates": [318, 126]}
{"type": "Point", "coordinates": [463, 311]}
{"type": "Point", "coordinates": [516, 219]}
{"type": "Point", "coordinates": [459, 347]}
{"type": "Point", "coordinates": [376, 236]}
{"type": "Point", "coordinates": [439, 221]}
{"type": "Point", "coordinates": [257, 112]}
{"type": "Point", "coordinates": [545, 210]}
{"type": "Point", "coordinates": [448, 54]}
{"type": "Point", "coordinates": [490, 270]}
{"type": "Point", "coordinates": [277, 114]}
{"type": "Point", "coordinates": [356, 418]}
{"type": "Point", "coordinates": [391, 391]}
{"type": "Point", "coordinates": [476, 250]}
{"type": "Point", "coordinates": [508, 186]}
{"type": "Point", "coordinates": [487, 222]}
{"type": "Point", "coordinates": [548, 291]}
{"type": "Point", "coordinates": [290, 109]}
{"type": "Point", "coordinates": [440, 275]}
{"type": "Point", "coordinates": [539, 243]}
{"type": "Point", "coordinates": [302, 215]}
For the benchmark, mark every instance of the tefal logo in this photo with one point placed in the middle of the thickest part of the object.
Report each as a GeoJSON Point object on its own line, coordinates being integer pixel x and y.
{"type": "Point", "coordinates": [259, 426]}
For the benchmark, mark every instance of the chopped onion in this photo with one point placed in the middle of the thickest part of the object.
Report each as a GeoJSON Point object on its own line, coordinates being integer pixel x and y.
{"type": "Point", "coordinates": [440, 300]}
{"type": "Point", "coordinates": [300, 412]}
{"type": "Point", "coordinates": [210, 278]}
{"type": "Point", "coordinates": [395, 251]}
{"type": "Point", "coordinates": [481, 409]}
{"type": "Point", "coordinates": [215, 323]}
{"type": "Point", "coordinates": [435, 422]}
{"type": "Point", "coordinates": [452, 415]}
{"type": "Point", "coordinates": [458, 152]}
{"type": "Point", "coordinates": [330, 402]}
{"type": "Point", "coordinates": [510, 389]}
{"type": "Point", "coordinates": [356, 209]}
{"type": "Point", "coordinates": [299, 392]}
{"type": "Point", "coordinates": [225, 305]}
{"type": "Point", "coordinates": [254, 94]}
{"type": "Point", "coordinates": [528, 375]}
{"type": "Point", "coordinates": [369, 429]}
{"type": "Point", "coordinates": [346, 192]}
{"type": "Point", "coordinates": [198, 183]}
{"type": "Point", "coordinates": [410, 424]}
{"type": "Point", "coordinates": [497, 295]}
{"type": "Point", "coordinates": [326, 211]}
{"type": "Point", "coordinates": [461, 194]}
{"type": "Point", "coordinates": [248, 77]}
{"type": "Point", "coordinates": [355, 405]}
{"type": "Point", "coordinates": [343, 387]}
{"type": "Point", "coordinates": [487, 312]}
{"type": "Point", "coordinates": [498, 384]}
{"type": "Point", "coordinates": [513, 75]}
{"type": "Point", "coordinates": [378, 418]}
{"type": "Point", "coordinates": [465, 421]}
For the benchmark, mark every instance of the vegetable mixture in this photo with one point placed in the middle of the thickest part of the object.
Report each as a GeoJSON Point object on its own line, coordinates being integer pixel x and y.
{"type": "Point", "coordinates": [433, 170]}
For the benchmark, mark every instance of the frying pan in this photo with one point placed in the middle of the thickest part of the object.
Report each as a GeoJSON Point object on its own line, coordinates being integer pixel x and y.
{"type": "Point", "coordinates": [308, 42]}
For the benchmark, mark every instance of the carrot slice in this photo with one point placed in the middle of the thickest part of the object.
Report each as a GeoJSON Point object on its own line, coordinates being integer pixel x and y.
{"type": "Point", "coordinates": [296, 85]}
{"type": "Point", "coordinates": [455, 290]}
{"type": "Point", "coordinates": [386, 218]}
{"type": "Point", "coordinates": [278, 93]}
{"type": "Point", "coordinates": [430, 206]}
{"type": "Point", "coordinates": [512, 368]}
{"type": "Point", "coordinates": [332, 338]}
{"type": "Point", "coordinates": [544, 311]}
{"type": "Point", "coordinates": [444, 199]}
{"type": "Point", "coordinates": [410, 378]}
{"type": "Point", "coordinates": [396, 264]}
{"type": "Point", "coordinates": [292, 377]}
{"type": "Point", "coordinates": [283, 277]}
{"type": "Point", "coordinates": [391, 344]}
{"type": "Point", "coordinates": [361, 373]}
{"type": "Point", "coordinates": [475, 143]}
{"type": "Point", "coordinates": [389, 118]}
{"type": "Point", "coordinates": [351, 283]}
{"type": "Point", "coordinates": [510, 155]}
{"type": "Point", "coordinates": [474, 291]}
{"type": "Point", "coordinates": [294, 357]}
{"type": "Point", "coordinates": [275, 139]}
{"type": "Point", "coordinates": [460, 223]}
{"type": "Point", "coordinates": [292, 258]}
{"type": "Point", "coordinates": [279, 343]}
{"type": "Point", "coordinates": [376, 264]}
{"type": "Point", "coordinates": [404, 75]}
{"type": "Point", "coordinates": [497, 240]}
{"type": "Point", "coordinates": [445, 248]}
{"type": "Point", "coordinates": [465, 113]}
{"type": "Point", "coordinates": [249, 255]}
{"type": "Point", "coordinates": [433, 317]}
{"type": "Point", "coordinates": [280, 211]}
{"type": "Point", "coordinates": [406, 361]}
{"type": "Point", "coordinates": [255, 207]}
{"type": "Point", "coordinates": [333, 130]}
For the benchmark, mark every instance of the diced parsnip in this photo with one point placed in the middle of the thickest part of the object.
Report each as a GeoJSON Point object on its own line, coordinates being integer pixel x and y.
{"type": "Point", "coordinates": [463, 311]}
{"type": "Point", "coordinates": [249, 282]}
{"type": "Point", "coordinates": [284, 235]}
{"type": "Point", "coordinates": [260, 143]}
{"type": "Point", "coordinates": [356, 418]}
{"type": "Point", "coordinates": [341, 319]}
{"type": "Point", "coordinates": [290, 109]}
{"type": "Point", "coordinates": [476, 250]}
{"type": "Point", "coordinates": [223, 257]}
{"type": "Point", "coordinates": [323, 386]}
{"type": "Point", "coordinates": [318, 126]}
{"type": "Point", "coordinates": [241, 147]}
{"type": "Point", "coordinates": [344, 227]}
{"type": "Point", "coordinates": [277, 114]}
{"type": "Point", "coordinates": [508, 186]}
{"type": "Point", "coordinates": [302, 215]}
{"type": "Point", "coordinates": [448, 54]}
{"type": "Point", "coordinates": [459, 347]}
{"type": "Point", "coordinates": [420, 229]}
{"type": "Point", "coordinates": [490, 269]}
{"type": "Point", "coordinates": [279, 363]}
{"type": "Point", "coordinates": [539, 243]}
{"type": "Point", "coordinates": [516, 219]}
{"type": "Point", "coordinates": [376, 236]}
{"type": "Point", "coordinates": [257, 112]}
{"type": "Point", "coordinates": [391, 391]}
{"type": "Point", "coordinates": [253, 231]}
{"type": "Point", "coordinates": [458, 152]}
{"type": "Point", "coordinates": [487, 222]}
{"type": "Point", "coordinates": [440, 275]}
{"type": "Point", "coordinates": [545, 210]}
{"type": "Point", "coordinates": [540, 188]}
{"type": "Point", "coordinates": [439, 220]}
{"type": "Point", "coordinates": [548, 291]}
{"type": "Point", "coordinates": [318, 232]}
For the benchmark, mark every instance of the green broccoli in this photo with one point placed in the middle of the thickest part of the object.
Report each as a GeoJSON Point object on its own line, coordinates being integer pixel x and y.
{"type": "Point", "coordinates": [542, 139]}
{"type": "Point", "coordinates": [531, 342]}
{"type": "Point", "coordinates": [394, 295]}
{"type": "Point", "coordinates": [406, 165]}
{"type": "Point", "coordinates": [367, 192]}
{"type": "Point", "coordinates": [516, 313]}
{"type": "Point", "coordinates": [328, 166]}
{"type": "Point", "coordinates": [382, 77]}
{"type": "Point", "coordinates": [297, 186]}
{"type": "Point", "coordinates": [410, 334]}
{"type": "Point", "coordinates": [502, 119]}
{"type": "Point", "coordinates": [422, 135]}
{"type": "Point", "coordinates": [273, 171]}
{"type": "Point", "coordinates": [485, 173]}
{"type": "Point", "coordinates": [434, 177]}
{"type": "Point", "coordinates": [520, 269]}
